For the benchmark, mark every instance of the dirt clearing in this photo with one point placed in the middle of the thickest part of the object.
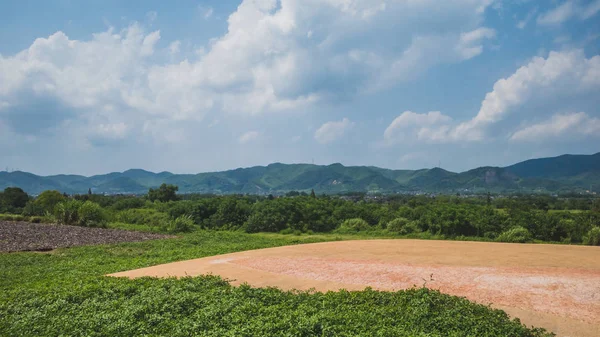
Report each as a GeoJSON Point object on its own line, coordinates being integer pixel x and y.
{"type": "Point", "coordinates": [22, 236]}
{"type": "Point", "coordinates": [553, 286]}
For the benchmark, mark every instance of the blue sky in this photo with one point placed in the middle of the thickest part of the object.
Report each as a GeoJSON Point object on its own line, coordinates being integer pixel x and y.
{"type": "Point", "coordinates": [91, 87]}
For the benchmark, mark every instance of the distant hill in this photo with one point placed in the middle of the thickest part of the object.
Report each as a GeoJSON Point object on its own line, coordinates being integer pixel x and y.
{"type": "Point", "coordinates": [575, 170]}
{"type": "Point", "coordinates": [563, 173]}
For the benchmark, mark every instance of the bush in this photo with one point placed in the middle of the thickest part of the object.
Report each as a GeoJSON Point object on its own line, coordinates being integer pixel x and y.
{"type": "Point", "coordinates": [18, 218]}
{"type": "Point", "coordinates": [354, 225]}
{"type": "Point", "coordinates": [32, 208]}
{"type": "Point", "coordinates": [48, 200]}
{"type": "Point", "coordinates": [515, 235]}
{"type": "Point", "coordinates": [7, 217]}
{"type": "Point", "coordinates": [67, 212]}
{"type": "Point", "coordinates": [91, 215]}
{"type": "Point", "coordinates": [143, 216]}
{"type": "Point", "coordinates": [593, 237]}
{"type": "Point", "coordinates": [182, 224]}
{"type": "Point", "coordinates": [403, 226]}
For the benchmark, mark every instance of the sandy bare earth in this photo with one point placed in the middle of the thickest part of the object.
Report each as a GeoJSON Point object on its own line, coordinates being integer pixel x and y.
{"type": "Point", "coordinates": [553, 286]}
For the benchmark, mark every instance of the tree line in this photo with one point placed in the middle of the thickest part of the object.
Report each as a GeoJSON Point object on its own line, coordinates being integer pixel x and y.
{"type": "Point", "coordinates": [512, 219]}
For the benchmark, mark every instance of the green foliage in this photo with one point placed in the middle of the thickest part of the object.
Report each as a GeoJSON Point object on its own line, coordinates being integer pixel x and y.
{"type": "Point", "coordinates": [47, 200]}
{"type": "Point", "coordinates": [143, 216]}
{"type": "Point", "coordinates": [7, 217]}
{"type": "Point", "coordinates": [593, 237]}
{"type": "Point", "coordinates": [67, 212]}
{"type": "Point", "coordinates": [32, 208]}
{"type": "Point", "coordinates": [183, 224]}
{"type": "Point", "coordinates": [127, 203]}
{"type": "Point", "coordinates": [164, 193]}
{"type": "Point", "coordinates": [13, 199]}
{"type": "Point", "coordinates": [354, 225]}
{"type": "Point", "coordinates": [36, 219]}
{"type": "Point", "coordinates": [403, 226]}
{"type": "Point", "coordinates": [91, 214]}
{"type": "Point", "coordinates": [515, 235]}
{"type": "Point", "coordinates": [19, 218]}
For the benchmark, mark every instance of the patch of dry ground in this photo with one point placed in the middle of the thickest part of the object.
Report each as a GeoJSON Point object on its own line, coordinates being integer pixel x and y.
{"type": "Point", "coordinates": [553, 286]}
{"type": "Point", "coordinates": [22, 236]}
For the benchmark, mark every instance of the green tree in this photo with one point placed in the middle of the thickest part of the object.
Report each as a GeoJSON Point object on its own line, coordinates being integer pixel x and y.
{"type": "Point", "coordinates": [90, 214]}
{"type": "Point", "coordinates": [164, 193]}
{"type": "Point", "coordinates": [47, 200]}
{"type": "Point", "coordinates": [312, 194]}
{"type": "Point", "coordinates": [14, 198]}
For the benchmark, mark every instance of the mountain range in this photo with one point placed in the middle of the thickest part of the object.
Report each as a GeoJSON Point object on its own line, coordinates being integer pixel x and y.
{"type": "Point", "coordinates": [557, 174]}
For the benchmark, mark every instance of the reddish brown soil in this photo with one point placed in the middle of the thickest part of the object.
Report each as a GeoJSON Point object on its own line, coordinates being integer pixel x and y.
{"type": "Point", "coordinates": [23, 236]}
{"type": "Point", "coordinates": [553, 286]}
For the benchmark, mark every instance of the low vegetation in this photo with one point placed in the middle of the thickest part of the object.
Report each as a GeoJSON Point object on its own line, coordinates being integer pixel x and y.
{"type": "Point", "coordinates": [64, 293]}
{"type": "Point", "coordinates": [507, 219]}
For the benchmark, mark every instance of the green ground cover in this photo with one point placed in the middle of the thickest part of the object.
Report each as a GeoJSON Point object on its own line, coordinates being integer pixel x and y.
{"type": "Point", "coordinates": [64, 293]}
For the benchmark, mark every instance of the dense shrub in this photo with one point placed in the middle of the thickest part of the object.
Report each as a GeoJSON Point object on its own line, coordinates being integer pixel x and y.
{"type": "Point", "coordinates": [90, 214]}
{"type": "Point", "coordinates": [67, 212]}
{"type": "Point", "coordinates": [183, 224]}
{"type": "Point", "coordinates": [143, 216]}
{"type": "Point", "coordinates": [403, 226]}
{"type": "Point", "coordinates": [32, 208]}
{"type": "Point", "coordinates": [593, 237]}
{"type": "Point", "coordinates": [515, 235]}
{"type": "Point", "coordinates": [48, 200]}
{"type": "Point", "coordinates": [354, 225]}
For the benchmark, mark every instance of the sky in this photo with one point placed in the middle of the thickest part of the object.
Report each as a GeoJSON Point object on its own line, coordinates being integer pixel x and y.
{"type": "Point", "coordinates": [90, 87]}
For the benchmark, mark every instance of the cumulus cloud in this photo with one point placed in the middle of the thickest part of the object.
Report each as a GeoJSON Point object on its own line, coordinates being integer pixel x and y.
{"type": "Point", "coordinates": [573, 125]}
{"type": "Point", "coordinates": [568, 10]}
{"type": "Point", "coordinates": [248, 137]}
{"type": "Point", "coordinates": [411, 125]}
{"type": "Point", "coordinates": [562, 75]}
{"type": "Point", "coordinates": [332, 131]}
{"type": "Point", "coordinates": [275, 56]}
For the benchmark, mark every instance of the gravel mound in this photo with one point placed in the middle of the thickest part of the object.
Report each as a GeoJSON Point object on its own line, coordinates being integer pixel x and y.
{"type": "Point", "coordinates": [23, 236]}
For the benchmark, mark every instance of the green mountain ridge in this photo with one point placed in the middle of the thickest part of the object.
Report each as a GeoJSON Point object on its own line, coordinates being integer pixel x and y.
{"type": "Point", "coordinates": [563, 173]}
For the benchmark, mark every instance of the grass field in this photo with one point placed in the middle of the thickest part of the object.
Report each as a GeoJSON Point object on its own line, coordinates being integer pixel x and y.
{"type": "Point", "coordinates": [64, 292]}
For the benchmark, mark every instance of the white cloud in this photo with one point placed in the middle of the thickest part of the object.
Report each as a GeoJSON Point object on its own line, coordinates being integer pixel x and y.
{"type": "Point", "coordinates": [568, 10]}
{"type": "Point", "coordinates": [276, 56]}
{"type": "Point", "coordinates": [112, 131]}
{"type": "Point", "coordinates": [562, 75]}
{"type": "Point", "coordinates": [248, 137]}
{"type": "Point", "coordinates": [332, 131]}
{"type": "Point", "coordinates": [561, 126]}
{"type": "Point", "coordinates": [413, 125]}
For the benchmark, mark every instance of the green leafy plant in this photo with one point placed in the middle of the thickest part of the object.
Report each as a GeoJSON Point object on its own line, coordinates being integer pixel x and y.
{"type": "Point", "coordinates": [515, 235]}
{"type": "Point", "coordinates": [182, 224]}
{"type": "Point", "coordinates": [67, 212]}
{"type": "Point", "coordinates": [593, 237]}
{"type": "Point", "coordinates": [403, 226]}
{"type": "Point", "coordinates": [354, 225]}
{"type": "Point", "coordinates": [90, 214]}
